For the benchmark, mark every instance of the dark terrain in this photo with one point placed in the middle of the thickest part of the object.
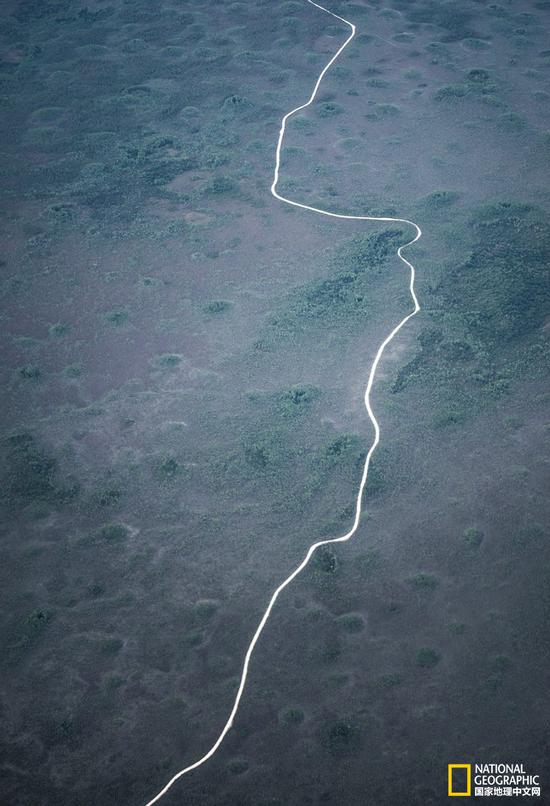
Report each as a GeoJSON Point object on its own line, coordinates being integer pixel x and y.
{"type": "Point", "coordinates": [184, 361]}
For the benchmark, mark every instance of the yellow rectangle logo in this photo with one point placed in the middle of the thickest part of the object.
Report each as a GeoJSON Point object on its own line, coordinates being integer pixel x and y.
{"type": "Point", "coordinates": [451, 792]}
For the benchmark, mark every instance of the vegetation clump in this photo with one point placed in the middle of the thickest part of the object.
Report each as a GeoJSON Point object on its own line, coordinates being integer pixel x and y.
{"type": "Point", "coordinates": [487, 314]}
{"type": "Point", "coordinates": [329, 109]}
{"type": "Point", "coordinates": [473, 537]}
{"type": "Point", "coordinates": [168, 360]}
{"type": "Point", "coordinates": [297, 399]}
{"type": "Point", "coordinates": [236, 103]}
{"type": "Point", "coordinates": [110, 646]}
{"type": "Point", "coordinates": [169, 469]}
{"type": "Point", "coordinates": [30, 372]}
{"type": "Point", "coordinates": [117, 317]}
{"type": "Point", "coordinates": [388, 110]}
{"type": "Point", "coordinates": [424, 582]}
{"type": "Point", "coordinates": [221, 185]}
{"type": "Point", "coordinates": [441, 198]}
{"type": "Point", "coordinates": [237, 766]}
{"type": "Point", "coordinates": [206, 609]}
{"type": "Point", "coordinates": [58, 330]}
{"type": "Point", "coordinates": [217, 306]}
{"type": "Point", "coordinates": [292, 716]}
{"type": "Point", "coordinates": [528, 536]}
{"type": "Point", "coordinates": [448, 417]}
{"type": "Point", "coordinates": [325, 560]}
{"type": "Point", "coordinates": [341, 299]}
{"type": "Point", "coordinates": [105, 496]}
{"type": "Point", "coordinates": [427, 658]}
{"type": "Point", "coordinates": [31, 470]}
{"type": "Point", "coordinates": [351, 622]}
{"type": "Point", "coordinates": [343, 737]}
{"type": "Point", "coordinates": [477, 76]}
{"type": "Point", "coordinates": [37, 621]}
{"type": "Point", "coordinates": [451, 92]}
{"type": "Point", "coordinates": [114, 532]}
{"type": "Point", "coordinates": [389, 680]}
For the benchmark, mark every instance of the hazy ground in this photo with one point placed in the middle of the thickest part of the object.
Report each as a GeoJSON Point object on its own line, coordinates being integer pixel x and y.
{"type": "Point", "coordinates": [183, 374]}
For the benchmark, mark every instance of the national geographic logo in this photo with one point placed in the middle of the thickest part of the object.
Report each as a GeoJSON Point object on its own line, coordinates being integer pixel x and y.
{"type": "Point", "coordinates": [491, 780]}
{"type": "Point", "coordinates": [466, 776]}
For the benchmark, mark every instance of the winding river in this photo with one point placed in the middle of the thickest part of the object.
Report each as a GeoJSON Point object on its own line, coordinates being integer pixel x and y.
{"type": "Point", "coordinates": [372, 374]}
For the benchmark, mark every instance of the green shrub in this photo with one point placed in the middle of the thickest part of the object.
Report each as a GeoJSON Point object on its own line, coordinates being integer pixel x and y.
{"type": "Point", "coordinates": [114, 532]}
{"type": "Point", "coordinates": [105, 496]}
{"type": "Point", "coordinates": [329, 109]}
{"type": "Point", "coordinates": [351, 622]}
{"type": "Point", "coordinates": [73, 371]}
{"type": "Point", "coordinates": [343, 737]}
{"type": "Point", "coordinates": [168, 360]}
{"type": "Point", "coordinates": [388, 110]}
{"type": "Point", "coordinates": [473, 537]}
{"type": "Point", "coordinates": [194, 638]}
{"type": "Point", "coordinates": [477, 76]}
{"type": "Point", "coordinates": [221, 185]}
{"type": "Point", "coordinates": [30, 372]}
{"type": "Point", "coordinates": [37, 621]}
{"type": "Point", "coordinates": [63, 213]}
{"type": "Point", "coordinates": [427, 658]}
{"type": "Point", "coordinates": [112, 682]}
{"type": "Point", "coordinates": [205, 609]}
{"type": "Point", "coordinates": [451, 92]}
{"type": "Point", "coordinates": [237, 766]}
{"type": "Point", "coordinates": [169, 469]}
{"type": "Point", "coordinates": [325, 560]}
{"type": "Point", "coordinates": [473, 43]}
{"type": "Point", "coordinates": [441, 198]}
{"type": "Point", "coordinates": [297, 399]}
{"type": "Point", "coordinates": [424, 582]}
{"type": "Point", "coordinates": [236, 104]}
{"type": "Point", "coordinates": [389, 680]}
{"type": "Point", "coordinates": [448, 417]}
{"type": "Point", "coordinates": [31, 470]}
{"type": "Point", "coordinates": [511, 121]}
{"type": "Point", "coordinates": [343, 297]}
{"type": "Point", "coordinates": [58, 330]}
{"type": "Point", "coordinates": [116, 318]}
{"type": "Point", "coordinates": [377, 83]}
{"type": "Point", "coordinates": [528, 537]}
{"type": "Point", "coordinates": [258, 456]}
{"type": "Point", "coordinates": [110, 646]}
{"type": "Point", "coordinates": [217, 306]}
{"type": "Point", "coordinates": [501, 663]}
{"type": "Point", "coordinates": [292, 716]}
{"type": "Point", "coordinates": [342, 447]}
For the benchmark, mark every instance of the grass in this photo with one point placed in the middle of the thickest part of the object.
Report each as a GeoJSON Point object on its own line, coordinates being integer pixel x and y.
{"type": "Point", "coordinates": [483, 311]}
